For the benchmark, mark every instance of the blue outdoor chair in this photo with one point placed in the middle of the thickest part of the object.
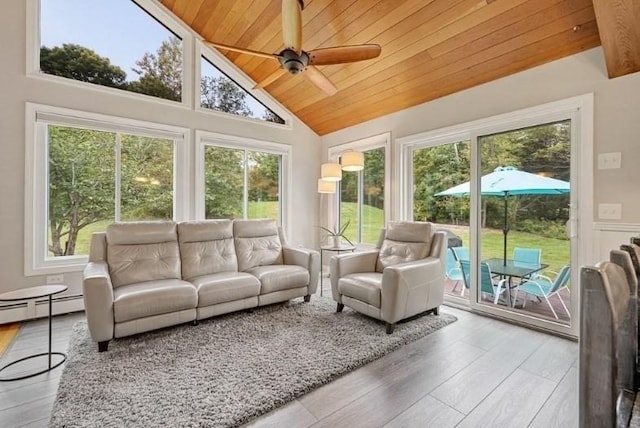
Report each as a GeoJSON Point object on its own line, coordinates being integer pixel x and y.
{"type": "Point", "coordinates": [544, 287]}
{"type": "Point", "coordinates": [486, 280]}
{"type": "Point", "coordinates": [528, 256]}
{"type": "Point", "coordinates": [453, 271]}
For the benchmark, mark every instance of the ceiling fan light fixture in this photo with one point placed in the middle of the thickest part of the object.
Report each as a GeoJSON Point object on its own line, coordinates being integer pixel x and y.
{"type": "Point", "coordinates": [325, 186]}
{"type": "Point", "coordinates": [331, 172]}
{"type": "Point", "coordinates": [352, 161]}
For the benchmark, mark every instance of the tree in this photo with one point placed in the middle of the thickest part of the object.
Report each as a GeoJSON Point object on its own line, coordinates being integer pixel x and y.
{"type": "Point", "coordinates": [270, 116]}
{"type": "Point", "coordinates": [161, 73]}
{"type": "Point", "coordinates": [221, 93]}
{"type": "Point", "coordinates": [80, 63]}
{"type": "Point", "coordinates": [81, 183]}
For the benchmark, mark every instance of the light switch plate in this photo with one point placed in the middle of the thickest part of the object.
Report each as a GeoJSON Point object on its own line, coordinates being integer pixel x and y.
{"type": "Point", "coordinates": [610, 211]}
{"type": "Point", "coordinates": [611, 160]}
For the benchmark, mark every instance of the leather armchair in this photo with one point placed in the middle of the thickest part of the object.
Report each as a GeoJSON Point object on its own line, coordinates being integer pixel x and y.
{"type": "Point", "coordinates": [404, 276]}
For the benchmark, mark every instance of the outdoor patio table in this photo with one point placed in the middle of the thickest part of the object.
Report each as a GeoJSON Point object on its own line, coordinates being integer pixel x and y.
{"type": "Point", "coordinates": [512, 268]}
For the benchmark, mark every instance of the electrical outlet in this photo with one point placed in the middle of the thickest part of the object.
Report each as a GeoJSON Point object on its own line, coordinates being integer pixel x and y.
{"type": "Point", "coordinates": [609, 160]}
{"type": "Point", "coordinates": [55, 279]}
{"type": "Point", "coordinates": [610, 211]}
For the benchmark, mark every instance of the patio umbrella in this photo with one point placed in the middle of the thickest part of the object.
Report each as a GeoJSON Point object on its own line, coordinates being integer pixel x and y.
{"type": "Point", "coordinates": [507, 181]}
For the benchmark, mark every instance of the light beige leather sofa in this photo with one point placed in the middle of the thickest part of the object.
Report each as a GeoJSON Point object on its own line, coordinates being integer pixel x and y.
{"type": "Point", "coordinates": [402, 277]}
{"type": "Point", "coordinates": [143, 276]}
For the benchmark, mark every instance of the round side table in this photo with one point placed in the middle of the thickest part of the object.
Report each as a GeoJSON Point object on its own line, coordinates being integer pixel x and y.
{"type": "Point", "coordinates": [338, 250]}
{"type": "Point", "coordinates": [27, 294]}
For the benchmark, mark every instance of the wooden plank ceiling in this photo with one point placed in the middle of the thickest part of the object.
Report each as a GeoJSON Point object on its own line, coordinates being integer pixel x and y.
{"type": "Point", "coordinates": [430, 48]}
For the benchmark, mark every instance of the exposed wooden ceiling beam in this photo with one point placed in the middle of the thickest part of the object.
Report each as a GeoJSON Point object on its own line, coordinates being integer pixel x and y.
{"type": "Point", "coordinates": [620, 34]}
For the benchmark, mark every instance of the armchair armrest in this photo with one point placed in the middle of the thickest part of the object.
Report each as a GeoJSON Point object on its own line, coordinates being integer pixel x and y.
{"type": "Point", "coordinates": [308, 259]}
{"type": "Point", "coordinates": [410, 288]}
{"type": "Point", "coordinates": [97, 292]}
{"type": "Point", "coordinates": [344, 264]}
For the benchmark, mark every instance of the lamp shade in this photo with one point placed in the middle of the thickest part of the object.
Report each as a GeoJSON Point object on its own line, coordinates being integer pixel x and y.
{"type": "Point", "coordinates": [352, 161]}
{"type": "Point", "coordinates": [331, 172]}
{"type": "Point", "coordinates": [325, 186]}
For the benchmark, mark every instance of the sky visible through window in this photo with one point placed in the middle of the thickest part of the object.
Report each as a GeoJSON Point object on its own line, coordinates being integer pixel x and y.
{"type": "Point", "coordinates": [115, 29]}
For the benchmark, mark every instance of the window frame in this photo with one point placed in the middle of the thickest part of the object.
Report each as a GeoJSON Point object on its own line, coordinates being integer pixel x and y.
{"type": "Point", "coordinates": [205, 138]}
{"type": "Point", "coordinates": [36, 261]}
{"type": "Point", "coordinates": [363, 145]}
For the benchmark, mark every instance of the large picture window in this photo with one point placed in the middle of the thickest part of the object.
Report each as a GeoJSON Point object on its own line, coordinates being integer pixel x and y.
{"type": "Point", "coordinates": [242, 179]}
{"type": "Point", "coordinates": [139, 55]}
{"type": "Point", "coordinates": [90, 173]}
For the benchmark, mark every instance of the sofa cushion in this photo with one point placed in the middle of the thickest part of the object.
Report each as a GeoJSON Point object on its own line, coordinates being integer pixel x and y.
{"type": "Point", "coordinates": [142, 251]}
{"type": "Point", "coordinates": [404, 242]}
{"type": "Point", "coordinates": [225, 287]}
{"type": "Point", "coordinates": [280, 277]}
{"type": "Point", "coordinates": [145, 299]}
{"type": "Point", "coordinates": [365, 287]}
{"type": "Point", "coordinates": [206, 247]}
{"type": "Point", "coordinates": [257, 243]}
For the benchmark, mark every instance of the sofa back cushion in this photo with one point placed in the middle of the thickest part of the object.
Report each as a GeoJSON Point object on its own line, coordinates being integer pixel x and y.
{"type": "Point", "coordinates": [257, 243]}
{"type": "Point", "coordinates": [142, 251]}
{"type": "Point", "coordinates": [206, 247]}
{"type": "Point", "coordinates": [404, 242]}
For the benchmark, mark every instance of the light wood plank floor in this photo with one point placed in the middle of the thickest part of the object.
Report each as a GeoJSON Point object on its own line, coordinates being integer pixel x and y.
{"type": "Point", "coordinates": [477, 372]}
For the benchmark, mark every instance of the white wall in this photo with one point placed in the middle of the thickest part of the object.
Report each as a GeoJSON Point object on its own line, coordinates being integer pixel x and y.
{"type": "Point", "coordinates": [616, 121]}
{"type": "Point", "coordinates": [16, 89]}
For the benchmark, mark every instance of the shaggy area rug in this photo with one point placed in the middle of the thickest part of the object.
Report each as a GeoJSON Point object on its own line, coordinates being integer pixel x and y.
{"type": "Point", "coordinates": [226, 370]}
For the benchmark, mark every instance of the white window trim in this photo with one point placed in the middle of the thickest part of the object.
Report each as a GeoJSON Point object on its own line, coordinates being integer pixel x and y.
{"type": "Point", "coordinates": [364, 144]}
{"type": "Point", "coordinates": [580, 110]}
{"type": "Point", "coordinates": [245, 82]}
{"type": "Point", "coordinates": [35, 260]}
{"type": "Point", "coordinates": [205, 138]}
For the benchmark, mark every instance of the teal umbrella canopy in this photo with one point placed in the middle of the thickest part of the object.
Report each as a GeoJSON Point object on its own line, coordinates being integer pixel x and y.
{"type": "Point", "coordinates": [507, 181]}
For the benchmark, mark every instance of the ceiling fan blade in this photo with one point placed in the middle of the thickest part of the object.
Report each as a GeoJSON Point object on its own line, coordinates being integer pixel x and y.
{"type": "Point", "coordinates": [320, 80]}
{"type": "Point", "coordinates": [242, 50]}
{"type": "Point", "coordinates": [292, 25]}
{"type": "Point", "coordinates": [271, 78]}
{"type": "Point", "coordinates": [343, 54]}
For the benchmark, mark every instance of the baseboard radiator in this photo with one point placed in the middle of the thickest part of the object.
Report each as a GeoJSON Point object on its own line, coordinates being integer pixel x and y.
{"type": "Point", "coordinates": [39, 308]}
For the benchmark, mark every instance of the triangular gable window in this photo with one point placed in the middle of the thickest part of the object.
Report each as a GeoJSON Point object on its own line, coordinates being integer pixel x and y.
{"type": "Point", "coordinates": [112, 43]}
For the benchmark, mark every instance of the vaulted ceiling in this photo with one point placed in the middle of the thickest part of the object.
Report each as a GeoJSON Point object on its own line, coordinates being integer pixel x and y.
{"type": "Point", "coordinates": [430, 48]}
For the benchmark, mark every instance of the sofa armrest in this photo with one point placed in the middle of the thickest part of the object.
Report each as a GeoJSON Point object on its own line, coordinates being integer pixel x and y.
{"type": "Point", "coordinates": [344, 264]}
{"type": "Point", "coordinates": [308, 259]}
{"type": "Point", "coordinates": [97, 292]}
{"type": "Point", "coordinates": [410, 288]}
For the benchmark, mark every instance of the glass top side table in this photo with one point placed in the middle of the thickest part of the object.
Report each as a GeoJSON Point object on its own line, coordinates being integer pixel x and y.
{"type": "Point", "coordinates": [27, 294]}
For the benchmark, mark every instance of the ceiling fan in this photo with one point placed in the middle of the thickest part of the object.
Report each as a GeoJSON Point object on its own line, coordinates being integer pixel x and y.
{"type": "Point", "coordinates": [294, 60]}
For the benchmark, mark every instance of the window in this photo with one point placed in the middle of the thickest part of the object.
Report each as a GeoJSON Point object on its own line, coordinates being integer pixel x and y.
{"type": "Point", "coordinates": [362, 196]}
{"type": "Point", "coordinates": [219, 92]}
{"type": "Point", "coordinates": [242, 178]}
{"type": "Point", "coordinates": [112, 43]}
{"type": "Point", "coordinates": [90, 172]}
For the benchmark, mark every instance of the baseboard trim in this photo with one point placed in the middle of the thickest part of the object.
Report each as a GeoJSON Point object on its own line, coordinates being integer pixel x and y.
{"type": "Point", "coordinates": [32, 309]}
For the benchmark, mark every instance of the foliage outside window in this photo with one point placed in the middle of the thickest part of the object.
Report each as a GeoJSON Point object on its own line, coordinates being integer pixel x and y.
{"type": "Point", "coordinates": [219, 92]}
{"type": "Point", "coordinates": [362, 198]}
{"type": "Point", "coordinates": [241, 183]}
{"type": "Point", "coordinates": [112, 43]}
{"type": "Point", "coordinates": [97, 177]}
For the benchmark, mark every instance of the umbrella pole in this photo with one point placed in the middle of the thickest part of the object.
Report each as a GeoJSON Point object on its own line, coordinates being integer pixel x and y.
{"type": "Point", "coordinates": [505, 230]}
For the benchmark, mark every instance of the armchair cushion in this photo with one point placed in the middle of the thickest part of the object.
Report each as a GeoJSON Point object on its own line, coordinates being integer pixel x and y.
{"type": "Point", "coordinates": [362, 286]}
{"type": "Point", "coordinates": [404, 242]}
